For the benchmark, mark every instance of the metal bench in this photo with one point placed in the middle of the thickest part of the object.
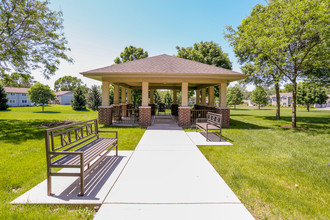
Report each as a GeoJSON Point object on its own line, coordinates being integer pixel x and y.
{"type": "Point", "coordinates": [76, 146]}
{"type": "Point", "coordinates": [212, 122]}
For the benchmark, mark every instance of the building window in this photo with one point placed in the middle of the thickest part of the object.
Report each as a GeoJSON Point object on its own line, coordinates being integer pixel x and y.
{"type": "Point", "coordinates": [12, 101]}
{"type": "Point", "coordinates": [24, 101]}
{"type": "Point", "coordinates": [12, 94]}
{"type": "Point", "coordinates": [23, 94]}
{"type": "Point", "coordinates": [284, 103]}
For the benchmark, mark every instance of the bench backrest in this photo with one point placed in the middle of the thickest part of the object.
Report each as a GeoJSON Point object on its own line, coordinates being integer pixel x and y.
{"type": "Point", "coordinates": [67, 137]}
{"type": "Point", "coordinates": [214, 118]}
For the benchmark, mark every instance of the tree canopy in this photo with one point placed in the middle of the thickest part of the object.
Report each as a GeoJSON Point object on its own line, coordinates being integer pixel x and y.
{"type": "Point", "coordinates": [259, 96]}
{"type": "Point", "coordinates": [310, 93]}
{"type": "Point", "coordinates": [289, 35]}
{"type": "Point", "coordinates": [31, 37]}
{"type": "Point", "coordinates": [78, 102]}
{"type": "Point", "coordinates": [41, 94]}
{"type": "Point", "coordinates": [67, 83]}
{"type": "Point", "coordinates": [131, 53]}
{"type": "Point", "coordinates": [206, 52]}
{"type": "Point", "coordinates": [94, 98]}
{"type": "Point", "coordinates": [17, 80]}
{"type": "Point", "coordinates": [234, 96]}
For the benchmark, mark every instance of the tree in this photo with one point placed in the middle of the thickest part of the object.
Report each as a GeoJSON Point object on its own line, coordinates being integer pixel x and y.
{"type": "Point", "coordinates": [67, 83]}
{"type": "Point", "coordinates": [41, 94]}
{"type": "Point", "coordinates": [264, 74]}
{"type": "Point", "coordinates": [3, 99]}
{"type": "Point", "coordinates": [94, 98]}
{"type": "Point", "coordinates": [310, 93]}
{"type": "Point", "coordinates": [234, 96]}
{"type": "Point", "coordinates": [17, 80]}
{"type": "Point", "coordinates": [78, 102]}
{"type": "Point", "coordinates": [291, 35]}
{"type": "Point", "coordinates": [207, 52]}
{"type": "Point", "coordinates": [157, 97]}
{"type": "Point", "coordinates": [259, 96]}
{"type": "Point", "coordinates": [168, 99]}
{"type": "Point", "coordinates": [131, 53]}
{"type": "Point", "coordinates": [31, 37]}
{"type": "Point", "coordinates": [287, 88]}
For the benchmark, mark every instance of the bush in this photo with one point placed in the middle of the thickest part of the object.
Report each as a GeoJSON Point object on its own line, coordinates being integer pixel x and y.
{"type": "Point", "coordinates": [3, 99]}
{"type": "Point", "coordinates": [79, 101]}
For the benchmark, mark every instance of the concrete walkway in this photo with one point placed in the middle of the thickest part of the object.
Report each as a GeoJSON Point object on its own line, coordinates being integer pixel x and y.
{"type": "Point", "coordinates": [167, 177]}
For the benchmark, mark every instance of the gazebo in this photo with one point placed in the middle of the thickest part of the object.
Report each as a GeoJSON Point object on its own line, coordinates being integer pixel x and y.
{"type": "Point", "coordinates": [163, 72]}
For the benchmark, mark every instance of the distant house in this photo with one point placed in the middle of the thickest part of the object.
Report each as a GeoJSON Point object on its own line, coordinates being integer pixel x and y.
{"type": "Point", "coordinates": [18, 96]}
{"type": "Point", "coordinates": [63, 97]}
{"type": "Point", "coordinates": [247, 102]}
{"type": "Point", "coordinates": [285, 99]}
{"type": "Point", "coordinates": [325, 105]}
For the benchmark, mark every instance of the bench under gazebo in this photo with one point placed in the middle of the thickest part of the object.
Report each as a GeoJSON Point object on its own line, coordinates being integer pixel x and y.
{"type": "Point", "coordinates": [163, 72]}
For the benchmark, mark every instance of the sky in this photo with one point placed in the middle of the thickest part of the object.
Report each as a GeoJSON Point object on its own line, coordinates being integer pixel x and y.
{"type": "Point", "coordinates": [98, 31]}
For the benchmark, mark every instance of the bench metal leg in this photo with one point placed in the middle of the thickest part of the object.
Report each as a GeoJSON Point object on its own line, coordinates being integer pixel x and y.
{"type": "Point", "coordinates": [117, 150]}
{"type": "Point", "coordinates": [82, 191]}
{"type": "Point", "coordinates": [49, 184]}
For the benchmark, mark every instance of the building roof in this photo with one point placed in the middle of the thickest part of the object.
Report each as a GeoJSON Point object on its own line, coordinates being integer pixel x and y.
{"type": "Point", "coordinates": [16, 90]}
{"type": "Point", "coordinates": [288, 94]}
{"type": "Point", "coordinates": [62, 93]}
{"type": "Point", "coordinates": [163, 64]}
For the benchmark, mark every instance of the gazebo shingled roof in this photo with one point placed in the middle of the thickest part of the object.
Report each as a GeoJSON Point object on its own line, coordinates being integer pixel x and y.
{"type": "Point", "coordinates": [164, 64]}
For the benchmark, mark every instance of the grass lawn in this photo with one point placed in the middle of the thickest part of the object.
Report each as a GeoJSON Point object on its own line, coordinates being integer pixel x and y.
{"type": "Point", "coordinates": [23, 158]}
{"type": "Point", "coordinates": [266, 162]}
{"type": "Point", "coordinates": [262, 167]}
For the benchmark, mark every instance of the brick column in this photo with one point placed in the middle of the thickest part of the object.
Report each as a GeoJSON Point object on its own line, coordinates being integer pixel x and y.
{"type": "Point", "coordinates": [225, 112]}
{"type": "Point", "coordinates": [184, 116]}
{"type": "Point", "coordinates": [145, 116]}
{"type": "Point", "coordinates": [116, 111]}
{"type": "Point", "coordinates": [105, 115]}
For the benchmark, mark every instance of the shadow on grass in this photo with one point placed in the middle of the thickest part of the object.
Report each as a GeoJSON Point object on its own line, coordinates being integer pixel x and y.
{"type": "Point", "coordinates": [17, 131]}
{"type": "Point", "coordinates": [47, 112]}
{"type": "Point", "coordinates": [236, 124]}
{"type": "Point", "coordinates": [314, 124]}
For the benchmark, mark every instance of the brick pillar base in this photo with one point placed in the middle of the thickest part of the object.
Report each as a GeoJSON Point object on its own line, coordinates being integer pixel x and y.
{"type": "Point", "coordinates": [145, 116]}
{"type": "Point", "coordinates": [105, 115]}
{"type": "Point", "coordinates": [225, 112]}
{"type": "Point", "coordinates": [184, 116]}
{"type": "Point", "coordinates": [116, 112]}
{"type": "Point", "coordinates": [123, 109]}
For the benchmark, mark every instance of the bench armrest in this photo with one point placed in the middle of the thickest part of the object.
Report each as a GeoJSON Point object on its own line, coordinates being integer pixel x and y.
{"type": "Point", "coordinates": [110, 132]}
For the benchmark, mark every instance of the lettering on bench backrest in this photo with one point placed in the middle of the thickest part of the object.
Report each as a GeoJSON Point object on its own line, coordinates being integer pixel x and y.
{"type": "Point", "coordinates": [64, 137]}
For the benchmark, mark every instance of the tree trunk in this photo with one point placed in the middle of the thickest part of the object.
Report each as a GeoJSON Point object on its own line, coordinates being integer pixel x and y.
{"type": "Point", "coordinates": [259, 106]}
{"type": "Point", "coordinates": [234, 106]}
{"type": "Point", "coordinates": [308, 108]}
{"type": "Point", "coordinates": [278, 101]}
{"type": "Point", "coordinates": [294, 104]}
